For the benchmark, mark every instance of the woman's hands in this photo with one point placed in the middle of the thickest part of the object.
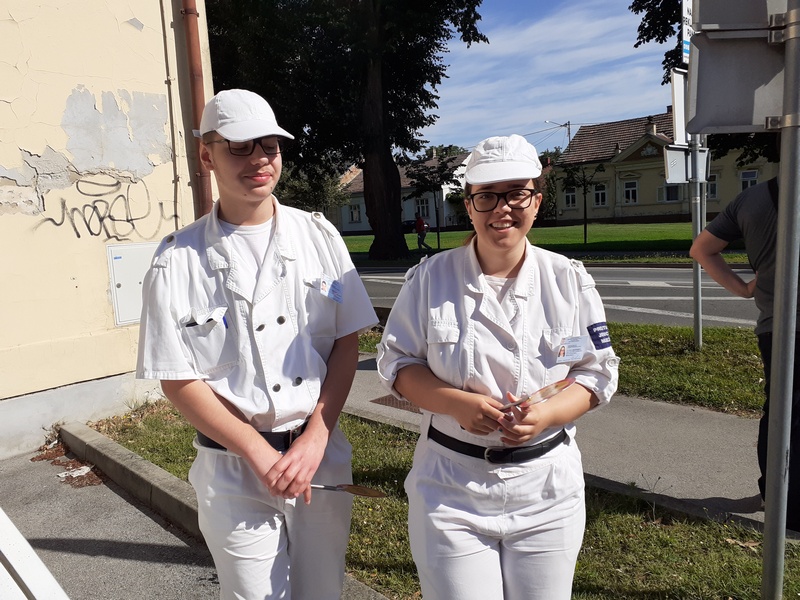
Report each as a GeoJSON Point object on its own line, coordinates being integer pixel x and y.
{"type": "Point", "coordinates": [476, 413]}
{"type": "Point", "coordinates": [524, 422]}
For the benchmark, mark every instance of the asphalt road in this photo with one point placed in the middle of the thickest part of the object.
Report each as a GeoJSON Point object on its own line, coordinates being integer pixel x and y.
{"type": "Point", "coordinates": [655, 295]}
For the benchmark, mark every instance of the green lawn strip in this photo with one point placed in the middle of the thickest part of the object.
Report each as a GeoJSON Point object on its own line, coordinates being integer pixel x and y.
{"type": "Point", "coordinates": [655, 243]}
{"type": "Point", "coordinates": [631, 548]}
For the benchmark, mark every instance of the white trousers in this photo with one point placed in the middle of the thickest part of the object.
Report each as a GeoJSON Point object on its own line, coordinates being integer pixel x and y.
{"type": "Point", "coordinates": [495, 532]}
{"type": "Point", "coordinates": [267, 548]}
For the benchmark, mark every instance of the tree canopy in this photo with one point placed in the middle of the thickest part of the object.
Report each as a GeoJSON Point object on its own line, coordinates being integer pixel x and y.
{"type": "Point", "coordinates": [661, 20]}
{"type": "Point", "coordinates": [353, 80]}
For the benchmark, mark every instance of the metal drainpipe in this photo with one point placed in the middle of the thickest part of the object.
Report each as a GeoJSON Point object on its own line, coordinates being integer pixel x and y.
{"type": "Point", "coordinates": [202, 196]}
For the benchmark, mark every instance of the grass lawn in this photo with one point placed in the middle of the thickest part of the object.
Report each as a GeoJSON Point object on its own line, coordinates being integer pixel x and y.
{"type": "Point", "coordinates": [645, 242]}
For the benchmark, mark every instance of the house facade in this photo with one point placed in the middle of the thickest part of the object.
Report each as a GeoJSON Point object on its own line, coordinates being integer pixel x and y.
{"type": "Point", "coordinates": [352, 217]}
{"type": "Point", "coordinates": [96, 167]}
{"type": "Point", "coordinates": [621, 175]}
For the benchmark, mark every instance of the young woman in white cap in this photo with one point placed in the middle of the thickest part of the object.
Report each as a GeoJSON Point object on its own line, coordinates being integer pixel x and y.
{"type": "Point", "coordinates": [251, 318]}
{"type": "Point", "coordinates": [496, 497]}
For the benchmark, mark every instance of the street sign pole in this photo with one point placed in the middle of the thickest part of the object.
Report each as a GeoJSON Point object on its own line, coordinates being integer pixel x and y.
{"type": "Point", "coordinates": [785, 320]}
{"type": "Point", "coordinates": [697, 227]}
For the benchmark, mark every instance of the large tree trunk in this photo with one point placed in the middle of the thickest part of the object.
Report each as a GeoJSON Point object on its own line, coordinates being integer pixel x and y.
{"type": "Point", "coordinates": [381, 176]}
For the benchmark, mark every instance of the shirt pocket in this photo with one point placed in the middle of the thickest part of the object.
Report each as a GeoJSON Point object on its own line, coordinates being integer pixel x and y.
{"type": "Point", "coordinates": [551, 343]}
{"type": "Point", "coordinates": [443, 348]}
{"type": "Point", "coordinates": [211, 342]}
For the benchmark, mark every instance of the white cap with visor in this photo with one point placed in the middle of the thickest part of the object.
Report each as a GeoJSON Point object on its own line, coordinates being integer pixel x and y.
{"type": "Point", "coordinates": [502, 159]}
{"type": "Point", "coordinates": [239, 116]}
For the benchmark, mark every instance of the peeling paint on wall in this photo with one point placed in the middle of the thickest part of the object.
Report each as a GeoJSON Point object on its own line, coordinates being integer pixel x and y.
{"type": "Point", "coordinates": [125, 139]}
{"type": "Point", "coordinates": [132, 140]}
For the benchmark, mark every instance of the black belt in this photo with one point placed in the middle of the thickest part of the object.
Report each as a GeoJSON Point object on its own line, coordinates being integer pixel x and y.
{"type": "Point", "coordinates": [497, 455]}
{"type": "Point", "coordinates": [280, 440]}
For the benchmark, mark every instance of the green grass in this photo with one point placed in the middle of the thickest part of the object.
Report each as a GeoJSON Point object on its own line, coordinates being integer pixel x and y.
{"type": "Point", "coordinates": [631, 549]}
{"type": "Point", "coordinates": [643, 242]}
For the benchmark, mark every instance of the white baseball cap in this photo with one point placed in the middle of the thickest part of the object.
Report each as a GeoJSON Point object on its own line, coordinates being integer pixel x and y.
{"type": "Point", "coordinates": [502, 159]}
{"type": "Point", "coordinates": [238, 116]}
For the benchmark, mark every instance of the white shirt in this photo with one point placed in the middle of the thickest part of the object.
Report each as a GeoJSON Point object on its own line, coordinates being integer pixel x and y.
{"type": "Point", "coordinates": [264, 349]}
{"type": "Point", "coordinates": [447, 317]}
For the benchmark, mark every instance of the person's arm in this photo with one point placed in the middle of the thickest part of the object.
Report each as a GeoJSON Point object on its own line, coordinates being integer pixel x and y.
{"type": "Point", "coordinates": [707, 250]}
{"type": "Point", "coordinates": [218, 419]}
{"type": "Point", "coordinates": [292, 474]}
{"type": "Point", "coordinates": [476, 413]}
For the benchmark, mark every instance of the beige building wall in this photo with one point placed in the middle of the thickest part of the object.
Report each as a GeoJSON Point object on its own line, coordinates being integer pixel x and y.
{"type": "Point", "coordinates": [95, 123]}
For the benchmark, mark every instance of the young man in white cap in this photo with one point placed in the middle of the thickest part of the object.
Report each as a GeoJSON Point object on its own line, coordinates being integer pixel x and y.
{"type": "Point", "coordinates": [251, 318]}
{"type": "Point", "coordinates": [496, 505]}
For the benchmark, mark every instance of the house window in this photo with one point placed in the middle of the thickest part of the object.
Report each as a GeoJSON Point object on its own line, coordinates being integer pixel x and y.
{"type": "Point", "coordinates": [748, 178]}
{"type": "Point", "coordinates": [422, 208]}
{"type": "Point", "coordinates": [355, 213]}
{"type": "Point", "coordinates": [631, 192]}
{"type": "Point", "coordinates": [600, 194]}
{"type": "Point", "coordinates": [670, 193]}
{"type": "Point", "coordinates": [570, 197]}
{"type": "Point", "coordinates": [711, 187]}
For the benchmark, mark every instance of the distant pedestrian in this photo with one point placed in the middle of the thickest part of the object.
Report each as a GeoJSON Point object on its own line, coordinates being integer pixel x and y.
{"type": "Point", "coordinates": [422, 230]}
{"type": "Point", "coordinates": [496, 493]}
{"type": "Point", "coordinates": [753, 217]}
{"type": "Point", "coordinates": [251, 319]}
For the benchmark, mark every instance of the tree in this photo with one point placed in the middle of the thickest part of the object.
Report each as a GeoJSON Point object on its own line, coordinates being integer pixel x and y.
{"type": "Point", "coordinates": [661, 20]}
{"type": "Point", "coordinates": [433, 170]}
{"type": "Point", "coordinates": [577, 176]}
{"type": "Point", "coordinates": [352, 79]}
{"type": "Point", "coordinates": [549, 208]}
{"type": "Point", "coordinates": [311, 189]}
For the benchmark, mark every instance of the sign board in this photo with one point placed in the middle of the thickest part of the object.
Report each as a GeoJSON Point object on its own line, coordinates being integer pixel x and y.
{"type": "Point", "coordinates": [678, 80]}
{"type": "Point", "coordinates": [686, 29]}
{"type": "Point", "coordinates": [735, 82]}
{"type": "Point", "coordinates": [727, 15]}
{"type": "Point", "coordinates": [678, 164]}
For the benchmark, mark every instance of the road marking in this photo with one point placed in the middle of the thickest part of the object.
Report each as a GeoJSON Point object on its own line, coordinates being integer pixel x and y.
{"type": "Point", "coordinates": [727, 298]}
{"type": "Point", "coordinates": [399, 281]}
{"type": "Point", "coordinates": [671, 313]}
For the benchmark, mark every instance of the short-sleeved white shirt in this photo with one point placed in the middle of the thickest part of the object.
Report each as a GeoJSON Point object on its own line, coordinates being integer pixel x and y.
{"type": "Point", "coordinates": [265, 349]}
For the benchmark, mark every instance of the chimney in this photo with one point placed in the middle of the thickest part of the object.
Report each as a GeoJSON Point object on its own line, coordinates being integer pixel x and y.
{"type": "Point", "coordinates": [651, 125]}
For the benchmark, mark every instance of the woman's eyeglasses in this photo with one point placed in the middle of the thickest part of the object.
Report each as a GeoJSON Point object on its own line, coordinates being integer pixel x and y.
{"type": "Point", "coordinates": [488, 201]}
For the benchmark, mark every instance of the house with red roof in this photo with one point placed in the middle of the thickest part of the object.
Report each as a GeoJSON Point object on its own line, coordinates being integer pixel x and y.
{"type": "Point", "coordinates": [622, 169]}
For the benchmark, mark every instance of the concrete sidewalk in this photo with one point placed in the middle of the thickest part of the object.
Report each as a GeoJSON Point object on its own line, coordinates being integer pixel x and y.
{"type": "Point", "coordinates": [134, 526]}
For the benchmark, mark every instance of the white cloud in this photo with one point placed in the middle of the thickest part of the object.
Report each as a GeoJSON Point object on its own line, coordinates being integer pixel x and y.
{"type": "Point", "coordinates": [560, 61]}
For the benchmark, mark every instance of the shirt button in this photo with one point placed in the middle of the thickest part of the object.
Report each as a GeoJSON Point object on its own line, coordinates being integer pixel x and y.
{"type": "Point", "coordinates": [260, 327]}
{"type": "Point", "coordinates": [281, 320]}
{"type": "Point", "coordinates": [276, 387]}
{"type": "Point", "coordinates": [511, 345]}
{"type": "Point", "coordinates": [298, 380]}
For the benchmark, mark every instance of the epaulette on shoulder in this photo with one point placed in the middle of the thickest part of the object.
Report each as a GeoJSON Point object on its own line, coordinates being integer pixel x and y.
{"type": "Point", "coordinates": [586, 280]}
{"type": "Point", "coordinates": [412, 271]}
{"type": "Point", "coordinates": [324, 224]}
{"type": "Point", "coordinates": [164, 251]}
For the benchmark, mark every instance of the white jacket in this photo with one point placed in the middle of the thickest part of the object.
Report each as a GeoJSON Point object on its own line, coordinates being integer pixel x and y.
{"type": "Point", "coordinates": [446, 317]}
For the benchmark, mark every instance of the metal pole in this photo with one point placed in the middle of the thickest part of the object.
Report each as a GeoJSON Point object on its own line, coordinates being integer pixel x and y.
{"type": "Point", "coordinates": [697, 227]}
{"type": "Point", "coordinates": [785, 319]}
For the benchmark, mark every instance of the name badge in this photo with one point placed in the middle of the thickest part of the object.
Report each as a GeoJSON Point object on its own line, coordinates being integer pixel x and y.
{"type": "Point", "coordinates": [571, 349]}
{"type": "Point", "coordinates": [330, 288]}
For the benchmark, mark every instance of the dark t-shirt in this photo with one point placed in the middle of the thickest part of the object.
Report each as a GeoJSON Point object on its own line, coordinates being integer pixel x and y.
{"type": "Point", "coordinates": [752, 217]}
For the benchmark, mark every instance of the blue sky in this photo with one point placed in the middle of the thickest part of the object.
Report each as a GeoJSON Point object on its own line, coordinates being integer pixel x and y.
{"type": "Point", "coordinates": [558, 61]}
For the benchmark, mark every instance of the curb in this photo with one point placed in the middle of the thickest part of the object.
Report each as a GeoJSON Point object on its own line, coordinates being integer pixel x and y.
{"type": "Point", "coordinates": [159, 490]}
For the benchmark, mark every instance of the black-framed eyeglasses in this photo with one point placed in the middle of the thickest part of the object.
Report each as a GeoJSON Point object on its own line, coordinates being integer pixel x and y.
{"type": "Point", "coordinates": [269, 144]}
{"type": "Point", "coordinates": [516, 199]}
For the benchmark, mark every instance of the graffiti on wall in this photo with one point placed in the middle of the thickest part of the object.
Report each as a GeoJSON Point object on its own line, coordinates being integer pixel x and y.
{"type": "Point", "coordinates": [97, 186]}
{"type": "Point", "coordinates": [112, 210]}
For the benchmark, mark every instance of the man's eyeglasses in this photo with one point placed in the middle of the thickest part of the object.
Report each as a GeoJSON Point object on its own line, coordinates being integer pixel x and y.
{"type": "Point", "coordinates": [516, 199]}
{"type": "Point", "coordinates": [269, 144]}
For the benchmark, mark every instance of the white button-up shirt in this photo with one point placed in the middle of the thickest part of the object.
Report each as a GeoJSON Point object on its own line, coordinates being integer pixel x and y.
{"type": "Point", "coordinates": [448, 318]}
{"type": "Point", "coordinates": [265, 350]}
